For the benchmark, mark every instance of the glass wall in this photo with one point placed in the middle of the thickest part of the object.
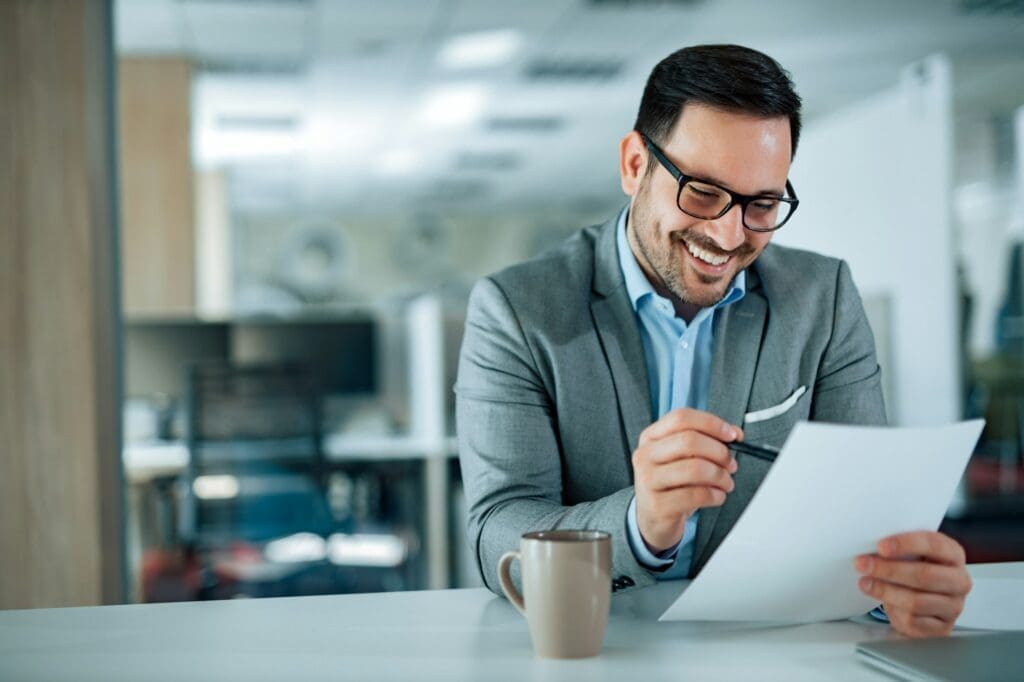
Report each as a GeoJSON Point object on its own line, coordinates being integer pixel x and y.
{"type": "Point", "coordinates": [310, 188]}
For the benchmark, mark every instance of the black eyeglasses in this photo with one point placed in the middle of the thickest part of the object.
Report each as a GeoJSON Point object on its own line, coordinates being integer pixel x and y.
{"type": "Point", "coordinates": [707, 201]}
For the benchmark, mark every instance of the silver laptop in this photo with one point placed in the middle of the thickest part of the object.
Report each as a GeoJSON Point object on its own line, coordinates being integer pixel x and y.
{"type": "Point", "coordinates": [974, 657]}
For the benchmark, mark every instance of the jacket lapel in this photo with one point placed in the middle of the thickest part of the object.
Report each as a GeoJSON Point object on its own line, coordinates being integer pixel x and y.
{"type": "Point", "coordinates": [737, 344]}
{"type": "Point", "coordinates": [620, 337]}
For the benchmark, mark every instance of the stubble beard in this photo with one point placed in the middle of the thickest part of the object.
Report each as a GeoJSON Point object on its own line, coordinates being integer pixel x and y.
{"type": "Point", "coordinates": [669, 264]}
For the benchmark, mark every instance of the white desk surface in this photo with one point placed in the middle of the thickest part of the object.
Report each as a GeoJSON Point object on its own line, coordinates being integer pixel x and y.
{"type": "Point", "coordinates": [432, 635]}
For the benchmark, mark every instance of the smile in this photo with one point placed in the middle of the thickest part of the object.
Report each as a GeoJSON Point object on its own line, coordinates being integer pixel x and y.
{"type": "Point", "coordinates": [707, 257]}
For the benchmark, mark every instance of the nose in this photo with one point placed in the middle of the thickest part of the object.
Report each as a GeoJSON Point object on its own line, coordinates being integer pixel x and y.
{"type": "Point", "coordinates": [728, 231]}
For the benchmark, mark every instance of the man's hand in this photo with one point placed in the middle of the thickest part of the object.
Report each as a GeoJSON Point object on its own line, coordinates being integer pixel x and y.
{"type": "Point", "coordinates": [680, 465]}
{"type": "Point", "coordinates": [922, 580]}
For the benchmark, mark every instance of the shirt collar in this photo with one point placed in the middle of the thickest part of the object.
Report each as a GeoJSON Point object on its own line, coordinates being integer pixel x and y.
{"type": "Point", "coordinates": [638, 286]}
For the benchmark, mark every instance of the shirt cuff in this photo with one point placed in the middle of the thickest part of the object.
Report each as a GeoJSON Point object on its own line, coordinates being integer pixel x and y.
{"type": "Point", "coordinates": [644, 556]}
{"type": "Point", "coordinates": [878, 613]}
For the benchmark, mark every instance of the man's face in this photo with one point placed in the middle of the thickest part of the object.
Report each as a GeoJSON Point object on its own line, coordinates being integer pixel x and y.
{"type": "Point", "coordinates": [743, 153]}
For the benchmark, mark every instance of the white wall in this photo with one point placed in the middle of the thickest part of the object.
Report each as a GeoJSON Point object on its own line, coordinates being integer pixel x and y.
{"type": "Point", "coordinates": [874, 181]}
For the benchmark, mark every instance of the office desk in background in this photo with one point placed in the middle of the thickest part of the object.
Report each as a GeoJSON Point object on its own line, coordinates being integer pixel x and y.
{"type": "Point", "coordinates": [433, 635]}
{"type": "Point", "coordinates": [145, 463]}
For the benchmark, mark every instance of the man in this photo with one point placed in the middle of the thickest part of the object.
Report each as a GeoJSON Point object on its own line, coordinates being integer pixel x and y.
{"type": "Point", "coordinates": [600, 384]}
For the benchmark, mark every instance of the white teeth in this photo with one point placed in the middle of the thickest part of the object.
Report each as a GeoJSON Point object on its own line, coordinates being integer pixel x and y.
{"type": "Point", "coordinates": [705, 256]}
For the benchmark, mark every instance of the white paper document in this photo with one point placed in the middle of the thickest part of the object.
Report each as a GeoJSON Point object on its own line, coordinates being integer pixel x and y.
{"type": "Point", "coordinates": [996, 601]}
{"type": "Point", "coordinates": [833, 492]}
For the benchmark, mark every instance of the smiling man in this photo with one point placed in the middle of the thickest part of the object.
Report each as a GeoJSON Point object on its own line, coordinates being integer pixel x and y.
{"type": "Point", "coordinates": [600, 384]}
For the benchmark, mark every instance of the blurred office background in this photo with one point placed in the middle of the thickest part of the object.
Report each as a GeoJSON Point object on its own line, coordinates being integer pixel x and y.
{"type": "Point", "coordinates": [307, 190]}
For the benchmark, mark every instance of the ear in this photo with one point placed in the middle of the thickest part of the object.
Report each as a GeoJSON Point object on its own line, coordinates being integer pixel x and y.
{"type": "Point", "coordinates": [633, 158]}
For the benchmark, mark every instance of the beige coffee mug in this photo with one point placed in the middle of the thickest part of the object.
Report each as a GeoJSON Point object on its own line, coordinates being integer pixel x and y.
{"type": "Point", "coordinates": [567, 588]}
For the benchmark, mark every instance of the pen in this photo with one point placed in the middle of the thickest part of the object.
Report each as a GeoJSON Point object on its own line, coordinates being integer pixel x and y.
{"type": "Point", "coordinates": [764, 452]}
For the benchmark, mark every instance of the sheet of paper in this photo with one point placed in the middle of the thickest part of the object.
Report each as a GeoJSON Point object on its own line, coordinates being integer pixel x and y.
{"type": "Point", "coordinates": [996, 602]}
{"type": "Point", "coordinates": [833, 493]}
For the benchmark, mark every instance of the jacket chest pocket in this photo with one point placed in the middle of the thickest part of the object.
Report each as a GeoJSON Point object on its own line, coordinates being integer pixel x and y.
{"type": "Point", "coordinates": [771, 424]}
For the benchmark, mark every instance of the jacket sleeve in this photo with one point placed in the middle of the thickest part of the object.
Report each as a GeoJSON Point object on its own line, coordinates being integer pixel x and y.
{"type": "Point", "coordinates": [509, 448]}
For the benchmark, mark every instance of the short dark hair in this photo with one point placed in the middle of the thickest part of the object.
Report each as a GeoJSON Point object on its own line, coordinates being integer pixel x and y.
{"type": "Point", "coordinates": [728, 77]}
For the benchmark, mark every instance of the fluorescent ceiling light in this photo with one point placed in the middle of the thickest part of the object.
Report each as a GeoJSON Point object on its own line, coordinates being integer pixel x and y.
{"type": "Point", "coordinates": [217, 147]}
{"type": "Point", "coordinates": [335, 130]}
{"type": "Point", "coordinates": [398, 162]}
{"type": "Point", "coordinates": [479, 50]}
{"type": "Point", "coordinates": [272, 113]}
{"type": "Point", "coordinates": [454, 105]}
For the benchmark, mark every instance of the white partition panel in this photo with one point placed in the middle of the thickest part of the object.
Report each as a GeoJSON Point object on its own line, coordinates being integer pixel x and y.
{"type": "Point", "coordinates": [874, 180]}
{"type": "Point", "coordinates": [427, 425]}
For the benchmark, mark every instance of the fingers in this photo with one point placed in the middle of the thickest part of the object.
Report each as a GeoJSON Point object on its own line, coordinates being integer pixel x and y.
{"type": "Point", "coordinates": [686, 419]}
{"type": "Point", "coordinates": [681, 465]}
{"type": "Point", "coordinates": [689, 444]}
{"type": "Point", "coordinates": [684, 459]}
{"type": "Point", "coordinates": [920, 575]}
{"type": "Point", "coordinates": [693, 471]}
{"type": "Point", "coordinates": [922, 580]}
{"type": "Point", "coordinates": [918, 626]}
{"type": "Point", "coordinates": [913, 601]}
{"type": "Point", "coordinates": [929, 545]}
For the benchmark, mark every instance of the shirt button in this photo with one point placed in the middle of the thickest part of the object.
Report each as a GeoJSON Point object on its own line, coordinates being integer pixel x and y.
{"type": "Point", "coordinates": [685, 344]}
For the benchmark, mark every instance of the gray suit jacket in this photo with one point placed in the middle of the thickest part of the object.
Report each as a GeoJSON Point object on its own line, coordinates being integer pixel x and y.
{"type": "Point", "coordinates": [552, 390]}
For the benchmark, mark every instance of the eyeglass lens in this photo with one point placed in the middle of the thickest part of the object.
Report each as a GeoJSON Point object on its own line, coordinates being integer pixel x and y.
{"type": "Point", "coordinates": [708, 202]}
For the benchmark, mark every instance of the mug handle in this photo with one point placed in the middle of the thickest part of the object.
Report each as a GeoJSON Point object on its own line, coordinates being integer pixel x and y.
{"type": "Point", "coordinates": [504, 565]}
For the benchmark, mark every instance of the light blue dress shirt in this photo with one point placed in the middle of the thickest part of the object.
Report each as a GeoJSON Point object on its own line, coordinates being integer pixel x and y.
{"type": "Point", "coordinates": [678, 357]}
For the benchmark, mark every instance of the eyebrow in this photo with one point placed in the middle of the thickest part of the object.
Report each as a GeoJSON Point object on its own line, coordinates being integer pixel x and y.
{"type": "Point", "coordinates": [775, 191]}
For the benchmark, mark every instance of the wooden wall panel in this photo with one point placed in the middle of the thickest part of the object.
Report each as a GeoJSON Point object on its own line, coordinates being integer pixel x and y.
{"type": "Point", "coordinates": [60, 473]}
{"type": "Point", "coordinates": [157, 215]}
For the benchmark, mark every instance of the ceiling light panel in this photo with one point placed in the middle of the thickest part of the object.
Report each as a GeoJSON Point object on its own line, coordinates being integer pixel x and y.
{"type": "Point", "coordinates": [237, 120]}
{"type": "Point", "coordinates": [480, 50]}
{"type": "Point", "coordinates": [452, 106]}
